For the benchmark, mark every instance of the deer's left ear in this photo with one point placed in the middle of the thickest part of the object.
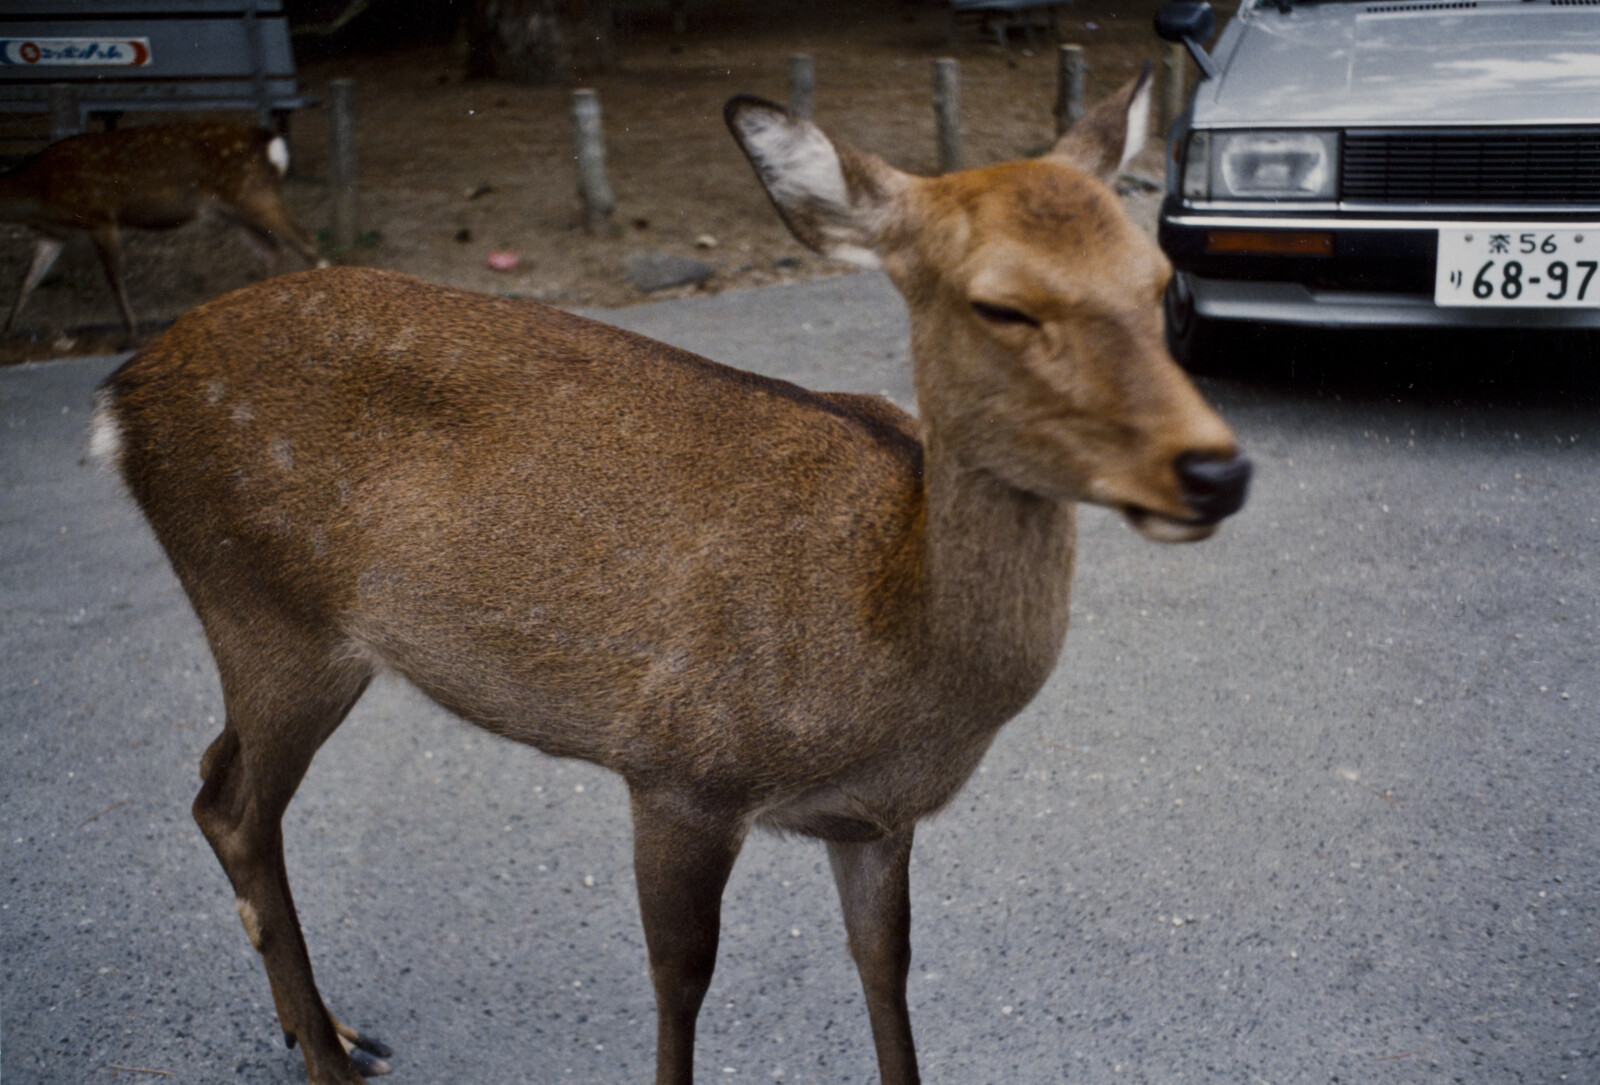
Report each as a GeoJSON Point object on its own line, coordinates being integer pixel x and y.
{"type": "Point", "coordinates": [1107, 137]}
{"type": "Point", "coordinates": [836, 200]}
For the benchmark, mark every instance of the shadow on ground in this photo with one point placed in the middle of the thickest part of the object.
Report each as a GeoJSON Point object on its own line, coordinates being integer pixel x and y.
{"type": "Point", "coordinates": [1476, 369]}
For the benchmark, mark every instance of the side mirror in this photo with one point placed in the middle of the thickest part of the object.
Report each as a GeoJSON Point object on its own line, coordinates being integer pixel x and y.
{"type": "Point", "coordinates": [1181, 20]}
{"type": "Point", "coordinates": [1191, 23]}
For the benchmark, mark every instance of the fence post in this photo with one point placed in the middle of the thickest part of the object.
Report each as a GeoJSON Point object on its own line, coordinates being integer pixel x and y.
{"type": "Point", "coordinates": [802, 82]}
{"type": "Point", "coordinates": [342, 162]}
{"type": "Point", "coordinates": [947, 111]}
{"type": "Point", "coordinates": [593, 188]}
{"type": "Point", "coordinates": [1072, 69]}
{"type": "Point", "coordinates": [1172, 85]}
{"type": "Point", "coordinates": [64, 120]}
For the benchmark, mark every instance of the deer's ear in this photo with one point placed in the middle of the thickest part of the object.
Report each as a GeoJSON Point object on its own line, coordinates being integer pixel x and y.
{"type": "Point", "coordinates": [835, 199]}
{"type": "Point", "coordinates": [1107, 137]}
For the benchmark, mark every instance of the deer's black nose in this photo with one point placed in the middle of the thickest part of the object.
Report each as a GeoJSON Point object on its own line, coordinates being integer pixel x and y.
{"type": "Point", "coordinates": [1213, 487]}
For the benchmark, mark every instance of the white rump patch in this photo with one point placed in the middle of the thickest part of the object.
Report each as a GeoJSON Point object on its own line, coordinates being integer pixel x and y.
{"type": "Point", "coordinates": [105, 433]}
{"type": "Point", "coordinates": [278, 155]}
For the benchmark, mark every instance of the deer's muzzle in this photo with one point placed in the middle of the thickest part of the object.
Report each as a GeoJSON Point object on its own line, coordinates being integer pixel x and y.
{"type": "Point", "coordinates": [1214, 487]}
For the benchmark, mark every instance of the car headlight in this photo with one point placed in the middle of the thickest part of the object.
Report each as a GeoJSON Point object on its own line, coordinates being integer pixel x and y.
{"type": "Point", "coordinates": [1258, 165]}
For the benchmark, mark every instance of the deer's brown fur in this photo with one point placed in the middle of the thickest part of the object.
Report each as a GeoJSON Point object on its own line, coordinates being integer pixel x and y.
{"type": "Point", "coordinates": [758, 604]}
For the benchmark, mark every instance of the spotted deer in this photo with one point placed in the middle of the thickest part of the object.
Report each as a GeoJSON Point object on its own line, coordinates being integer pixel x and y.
{"type": "Point", "coordinates": [151, 177]}
{"type": "Point", "coordinates": [760, 605]}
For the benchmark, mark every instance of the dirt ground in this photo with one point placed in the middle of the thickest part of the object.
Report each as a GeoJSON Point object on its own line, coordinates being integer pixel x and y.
{"type": "Point", "coordinates": [452, 170]}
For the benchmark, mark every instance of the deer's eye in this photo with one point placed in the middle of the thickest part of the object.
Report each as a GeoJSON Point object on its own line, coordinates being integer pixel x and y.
{"type": "Point", "coordinates": [1002, 314]}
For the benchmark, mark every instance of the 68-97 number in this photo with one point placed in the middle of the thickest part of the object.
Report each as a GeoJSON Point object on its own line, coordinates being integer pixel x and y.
{"type": "Point", "coordinates": [1512, 283]}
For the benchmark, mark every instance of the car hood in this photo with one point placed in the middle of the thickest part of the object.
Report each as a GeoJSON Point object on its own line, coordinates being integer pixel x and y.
{"type": "Point", "coordinates": [1336, 62]}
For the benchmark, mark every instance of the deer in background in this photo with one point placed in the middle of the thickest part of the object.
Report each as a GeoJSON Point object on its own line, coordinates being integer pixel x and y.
{"type": "Point", "coordinates": [761, 605]}
{"type": "Point", "coordinates": [152, 177]}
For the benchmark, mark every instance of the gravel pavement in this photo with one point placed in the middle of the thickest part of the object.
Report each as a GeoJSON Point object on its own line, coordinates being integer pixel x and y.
{"type": "Point", "coordinates": [1314, 801]}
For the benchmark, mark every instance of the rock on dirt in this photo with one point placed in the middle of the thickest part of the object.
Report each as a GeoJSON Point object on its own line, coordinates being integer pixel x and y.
{"type": "Point", "coordinates": [652, 271]}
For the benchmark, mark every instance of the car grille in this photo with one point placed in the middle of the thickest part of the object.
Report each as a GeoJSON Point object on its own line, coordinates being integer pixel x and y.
{"type": "Point", "coordinates": [1478, 166]}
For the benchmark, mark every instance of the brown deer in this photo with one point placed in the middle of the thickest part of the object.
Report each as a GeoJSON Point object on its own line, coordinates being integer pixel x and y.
{"type": "Point", "coordinates": [151, 177]}
{"type": "Point", "coordinates": [761, 605]}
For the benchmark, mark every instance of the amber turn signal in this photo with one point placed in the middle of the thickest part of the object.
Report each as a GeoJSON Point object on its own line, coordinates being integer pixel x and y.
{"type": "Point", "coordinates": [1277, 242]}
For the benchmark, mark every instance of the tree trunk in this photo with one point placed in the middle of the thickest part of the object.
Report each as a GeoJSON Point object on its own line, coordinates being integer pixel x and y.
{"type": "Point", "coordinates": [541, 41]}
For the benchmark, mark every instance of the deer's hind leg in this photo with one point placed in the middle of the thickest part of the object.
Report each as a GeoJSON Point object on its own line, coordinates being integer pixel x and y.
{"type": "Point", "coordinates": [284, 695]}
{"type": "Point", "coordinates": [268, 224]}
{"type": "Point", "coordinates": [108, 245]}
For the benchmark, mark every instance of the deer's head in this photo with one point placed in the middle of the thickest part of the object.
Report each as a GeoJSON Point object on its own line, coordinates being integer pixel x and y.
{"type": "Point", "coordinates": [1035, 311]}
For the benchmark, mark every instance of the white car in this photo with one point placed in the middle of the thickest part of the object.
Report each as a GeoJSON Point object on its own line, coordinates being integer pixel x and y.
{"type": "Point", "coordinates": [1385, 163]}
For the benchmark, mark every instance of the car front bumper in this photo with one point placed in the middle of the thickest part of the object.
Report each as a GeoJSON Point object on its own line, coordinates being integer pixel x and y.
{"type": "Point", "coordinates": [1377, 272]}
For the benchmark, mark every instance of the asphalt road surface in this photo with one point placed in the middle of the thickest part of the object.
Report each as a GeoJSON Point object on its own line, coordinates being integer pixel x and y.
{"type": "Point", "coordinates": [1314, 801]}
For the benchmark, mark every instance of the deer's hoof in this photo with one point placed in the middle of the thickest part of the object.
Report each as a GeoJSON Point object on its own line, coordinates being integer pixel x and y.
{"type": "Point", "coordinates": [368, 1064]}
{"type": "Point", "coordinates": [368, 1054]}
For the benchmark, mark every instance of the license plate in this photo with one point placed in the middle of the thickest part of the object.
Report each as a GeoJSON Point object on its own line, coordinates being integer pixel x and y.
{"type": "Point", "coordinates": [1518, 268]}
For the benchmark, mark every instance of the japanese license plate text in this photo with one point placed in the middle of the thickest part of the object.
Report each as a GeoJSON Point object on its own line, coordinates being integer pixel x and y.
{"type": "Point", "coordinates": [1503, 267]}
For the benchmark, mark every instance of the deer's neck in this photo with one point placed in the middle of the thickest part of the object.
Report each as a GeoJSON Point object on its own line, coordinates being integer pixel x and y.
{"type": "Point", "coordinates": [998, 575]}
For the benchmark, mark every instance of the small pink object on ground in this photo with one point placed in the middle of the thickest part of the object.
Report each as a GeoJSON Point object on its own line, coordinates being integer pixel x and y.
{"type": "Point", "coordinates": [502, 261]}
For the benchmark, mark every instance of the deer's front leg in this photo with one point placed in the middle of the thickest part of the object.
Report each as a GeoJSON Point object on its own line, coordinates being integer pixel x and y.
{"type": "Point", "coordinates": [875, 893]}
{"type": "Point", "coordinates": [682, 853]}
{"type": "Point", "coordinates": [45, 251]}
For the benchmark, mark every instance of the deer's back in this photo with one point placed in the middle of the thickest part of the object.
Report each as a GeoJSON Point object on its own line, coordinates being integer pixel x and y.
{"type": "Point", "coordinates": [542, 520]}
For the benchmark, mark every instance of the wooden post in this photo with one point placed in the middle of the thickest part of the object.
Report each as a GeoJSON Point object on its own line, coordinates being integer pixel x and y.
{"type": "Point", "coordinates": [593, 188]}
{"type": "Point", "coordinates": [342, 162]}
{"type": "Point", "coordinates": [1172, 85]}
{"type": "Point", "coordinates": [802, 81]}
{"type": "Point", "coordinates": [1072, 70]}
{"type": "Point", "coordinates": [258, 64]}
{"type": "Point", "coordinates": [64, 120]}
{"type": "Point", "coordinates": [947, 111]}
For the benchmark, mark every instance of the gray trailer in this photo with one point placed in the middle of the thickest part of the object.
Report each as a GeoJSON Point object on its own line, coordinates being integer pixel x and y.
{"type": "Point", "coordinates": [78, 59]}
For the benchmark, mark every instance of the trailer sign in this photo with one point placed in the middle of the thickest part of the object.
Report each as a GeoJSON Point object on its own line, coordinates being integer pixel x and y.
{"type": "Point", "coordinates": [62, 52]}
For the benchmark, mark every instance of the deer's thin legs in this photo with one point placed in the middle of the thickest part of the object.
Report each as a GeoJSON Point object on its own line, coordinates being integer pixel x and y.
{"type": "Point", "coordinates": [45, 251]}
{"type": "Point", "coordinates": [682, 854]}
{"type": "Point", "coordinates": [109, 246]}
{"type": "Point", "coordinates": [262, 213]}
{"type": "Point", "coordinates": [283, 700]}
{"type": "Point", "coordinates": [874, 892]}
